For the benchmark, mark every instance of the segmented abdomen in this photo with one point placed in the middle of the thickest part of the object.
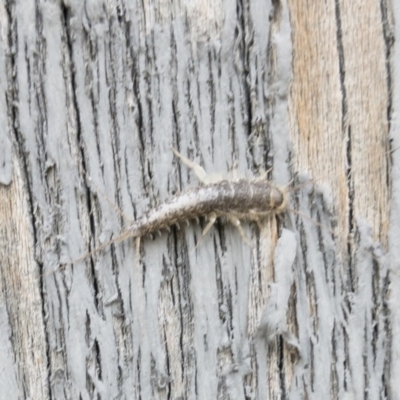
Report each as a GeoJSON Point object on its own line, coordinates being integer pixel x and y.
{"type": "Point", "coordinates": [242, 197]}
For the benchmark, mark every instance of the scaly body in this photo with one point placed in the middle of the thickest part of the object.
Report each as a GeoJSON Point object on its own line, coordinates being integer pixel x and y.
{"type": "Point", "coordinates": [236, 200]}
{"type": "Point", "coordinates": [239, 199]}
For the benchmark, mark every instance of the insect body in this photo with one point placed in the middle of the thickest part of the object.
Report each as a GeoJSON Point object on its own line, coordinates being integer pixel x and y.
{"type": "Point", "coordinates": [236, 200]}
{"type": "Point", "coordinates": [240, 199]}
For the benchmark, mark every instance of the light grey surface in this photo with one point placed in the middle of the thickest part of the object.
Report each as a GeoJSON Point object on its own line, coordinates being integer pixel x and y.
{"type": "Point", "coordinates": [6, 166]}
{"type": "Point", "coordinates": [103, 90]}
{"type": "Point", "coordinates": [394, 233]}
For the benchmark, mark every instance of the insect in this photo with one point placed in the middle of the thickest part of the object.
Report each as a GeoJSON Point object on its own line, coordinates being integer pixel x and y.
{"type": "Point", "coordinates": [233, 199]}
{"type": "Point", "coordinates": [236, 200]}
{"type": "Point", "coordinates": [240, 199]}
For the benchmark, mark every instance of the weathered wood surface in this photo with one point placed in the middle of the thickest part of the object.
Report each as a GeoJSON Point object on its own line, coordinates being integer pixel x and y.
{"type": "Point", "coordinates": [93, 96]}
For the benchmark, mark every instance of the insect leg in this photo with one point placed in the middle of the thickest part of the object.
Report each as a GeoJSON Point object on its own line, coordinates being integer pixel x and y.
{"type": "Point", "coordinates": [212, 217]}
{"type": "Point", "coordinates": [235, 221]}
{"type": "Point", "coordinates": [197, 169]}
{"type": "Point", "coordinates": [108, 200]}
{"type": "Point", "coordinates": [264, 175]}
{"type": "Point", "coordinates": [137, 246]}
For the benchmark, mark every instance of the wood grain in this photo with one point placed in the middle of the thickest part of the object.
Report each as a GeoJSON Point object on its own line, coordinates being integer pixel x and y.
{"type": "Point", "coordinates": [93, 96]}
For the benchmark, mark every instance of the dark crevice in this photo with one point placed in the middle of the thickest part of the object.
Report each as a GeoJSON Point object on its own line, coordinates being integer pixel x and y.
{"type": "Point", "coordinates": [346, 362]}
{"type": "Point", "coordinates": [168, 366]}
{"type": "Point", "coordinates": [88, 329]}
{"type": "Point", "coordinates": [346, 132]}
{"type": "Point", "coordinates": [349, 177]}
{"type": "Point", "coordinates": [137, 109]}
{"type": "Point", "coordinates": [389, 42]}
{"type": "Point", "coordinates": [192, 114]}
{"type": "Point", "coordinates": [153, 80]}
{"type": "Point", "coordinates": [244, 54]}
{"type": "Point", "coordinates": [138, 373]}
{"type": "Point", "coordinates": [175, 117]}
{"type": "Point", "coordinates": [115, 132]}
{"type": "Point", "coordinates": [176, 133]}
{"type": "Point", "coordinates": [213, 98]}
{"type": "Point", "coordinates": [334, 371]}
{"type": "Point", "coordinates": [281, 366]}
{"type": "Point", "coordinates": [66, 22]}
{"type": "Point", "coordinates": [43, 296]}
{"type": "Point", "coordinates": [184, 301]}
{"type": "Point", "coordinates": [196, 375]}
{"type": "Point", "coordinates": [351, 212]}
{"type": "Point", "coordinates": [147, 81]}
{"type": "Point", "coordinates": [139, 119]}
{"type": "Point", "coordinates": [180, 309]}
{"type": "Point", "coordinates": [388, 333]}
{"type": "Point", "coordinates": [213, 103]}
{"type": "Point", "coordinates": [366, 375]}
{"type": "Point", "coordinates": [129, 187]}
{"type": "Point", "coordinates": [98, 359]}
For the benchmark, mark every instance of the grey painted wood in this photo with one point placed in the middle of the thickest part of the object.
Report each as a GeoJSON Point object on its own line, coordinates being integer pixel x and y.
{"type": "Point", "coordinates": [93, 96]}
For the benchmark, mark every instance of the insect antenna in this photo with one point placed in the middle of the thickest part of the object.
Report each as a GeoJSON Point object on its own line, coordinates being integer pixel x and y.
{"type": "Point", "coordinates": [120, 238]}
{"type": "Point", "coordinates": [299, 213]}
{"type": "Point", "coordinates": [348, 173]}
{"type": "Point", "coordinates": [289, 189]}
{"type": "Point", "coordinates": [109, 201]}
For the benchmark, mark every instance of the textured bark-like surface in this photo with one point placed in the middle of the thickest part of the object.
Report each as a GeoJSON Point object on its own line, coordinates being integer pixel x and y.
{"type": "Point", "coordinates": [93, 96]}
{"type": "Point", "coordinates": [394, 226]}
{"type": "Point", "coordinates": [340, 111]}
